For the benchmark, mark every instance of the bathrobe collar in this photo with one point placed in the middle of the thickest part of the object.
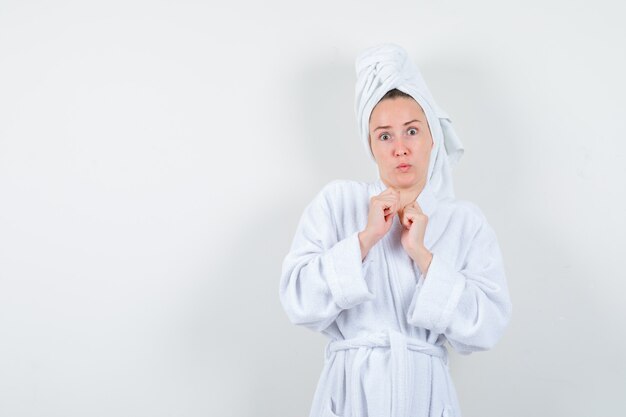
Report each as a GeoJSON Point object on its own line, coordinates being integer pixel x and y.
{"type": "Point", "coordinates": [426, 199]}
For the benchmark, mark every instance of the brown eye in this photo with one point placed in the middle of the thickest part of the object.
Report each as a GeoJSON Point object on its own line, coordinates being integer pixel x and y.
{"type": "Point", "coordinates": [412, 129]}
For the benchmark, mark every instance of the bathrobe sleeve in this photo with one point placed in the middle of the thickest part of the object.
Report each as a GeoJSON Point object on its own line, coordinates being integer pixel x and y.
{"type": "Point", "coordinates": [470, 306]}
{"type": "Point", "coordinates": [322, 274]}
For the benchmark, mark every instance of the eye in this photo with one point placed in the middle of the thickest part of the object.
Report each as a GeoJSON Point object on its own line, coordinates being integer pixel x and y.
{"type": "Point", "coordinates": [412, 129]}
{"type": "Point", "coordinates": [382, 137]}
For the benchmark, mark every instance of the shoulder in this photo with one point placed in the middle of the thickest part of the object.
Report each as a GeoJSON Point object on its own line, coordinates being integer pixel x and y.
{"type": "Point", "coordinates": [340, 201]}
{"type": "Point", "coordinates": [466, 212]}
{"type": "Point", "coordinates": [469, 209]}
{"type": "Point", "coordinates": [473, 219]}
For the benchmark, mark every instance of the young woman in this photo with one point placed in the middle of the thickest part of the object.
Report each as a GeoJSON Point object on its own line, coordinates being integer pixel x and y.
{"type": "Point", "coordinates": [391, 270]}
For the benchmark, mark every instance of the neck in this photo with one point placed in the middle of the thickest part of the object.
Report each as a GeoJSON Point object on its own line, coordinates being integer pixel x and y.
{"type": "Point", "coordinates": [407, 194]}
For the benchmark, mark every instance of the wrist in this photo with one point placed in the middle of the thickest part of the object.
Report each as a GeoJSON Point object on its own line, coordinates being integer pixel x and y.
{"type": "Point", "coordinates": [423, 257]}
{"type": "Point", "coordinates": [367, 240]}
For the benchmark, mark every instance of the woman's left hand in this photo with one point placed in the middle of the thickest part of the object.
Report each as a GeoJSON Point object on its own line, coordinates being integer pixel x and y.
{"type": "Point", "coordinates": [414, 223]}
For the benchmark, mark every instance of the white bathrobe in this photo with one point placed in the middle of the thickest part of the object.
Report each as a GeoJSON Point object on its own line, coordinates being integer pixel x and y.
{"type": "Point", "coordinates": [386, 322]}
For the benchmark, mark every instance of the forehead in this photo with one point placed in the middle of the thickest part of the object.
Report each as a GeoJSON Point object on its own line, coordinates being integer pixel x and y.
{"type": "Point", "coordinates": [398, 108]}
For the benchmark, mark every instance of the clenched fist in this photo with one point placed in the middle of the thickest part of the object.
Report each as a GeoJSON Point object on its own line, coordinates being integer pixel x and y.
{"type": "Point", "coordinates": [414, 223]}
{"type": "Point", "coordinates": [383, 207]}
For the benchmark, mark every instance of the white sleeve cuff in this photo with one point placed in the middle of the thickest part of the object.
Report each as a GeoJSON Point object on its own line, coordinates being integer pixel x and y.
{"type": "Point", "coordinates": [347, 278]}
{"type": "Point", "coordinates": [436, 296]}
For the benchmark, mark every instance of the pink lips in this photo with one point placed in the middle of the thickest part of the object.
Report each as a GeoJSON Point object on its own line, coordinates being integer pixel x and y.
{"type": "Point", "coordinates": [404, 167]}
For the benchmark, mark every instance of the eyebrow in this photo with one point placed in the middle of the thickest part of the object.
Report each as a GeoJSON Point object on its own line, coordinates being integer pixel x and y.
{"type": "Point", "coordinates": [387, 127]}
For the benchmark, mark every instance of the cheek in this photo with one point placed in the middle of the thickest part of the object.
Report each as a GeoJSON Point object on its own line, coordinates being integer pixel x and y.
{"type": "Point", "coordinates": [422, 149]}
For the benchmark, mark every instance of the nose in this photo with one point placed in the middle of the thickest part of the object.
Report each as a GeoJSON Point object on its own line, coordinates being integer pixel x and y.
{"type": "Point", "coordinates": [401, 148]}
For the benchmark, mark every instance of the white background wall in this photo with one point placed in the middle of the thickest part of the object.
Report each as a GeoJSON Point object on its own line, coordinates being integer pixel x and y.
{"type": "Point", "coordinates": [155, 158]}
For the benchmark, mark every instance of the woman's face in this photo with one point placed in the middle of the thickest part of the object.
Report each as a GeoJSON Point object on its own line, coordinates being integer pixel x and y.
{"type": "Point", "coordinates": [399, 134]}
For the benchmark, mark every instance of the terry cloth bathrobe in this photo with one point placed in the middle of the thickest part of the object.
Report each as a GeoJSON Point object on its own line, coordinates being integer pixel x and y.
{"type": "Point", "coordinates": [386, 322]}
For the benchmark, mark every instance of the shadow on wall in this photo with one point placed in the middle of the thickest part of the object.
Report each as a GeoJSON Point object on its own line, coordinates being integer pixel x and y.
{"type": "Point", "coordinates": [243, 354]}
{"type": "Point", "coordinates": [324, 96]}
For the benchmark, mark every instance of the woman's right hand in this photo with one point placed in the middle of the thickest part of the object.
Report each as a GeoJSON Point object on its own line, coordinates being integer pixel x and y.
{"type": "Point", "coordinates": [383, 207]}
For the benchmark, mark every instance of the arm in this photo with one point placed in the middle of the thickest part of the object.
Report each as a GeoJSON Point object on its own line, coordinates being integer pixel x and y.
{"type": "Point", "coordinates": [321, 275]}
{"type": "Point", "coordinates": [471, 306]}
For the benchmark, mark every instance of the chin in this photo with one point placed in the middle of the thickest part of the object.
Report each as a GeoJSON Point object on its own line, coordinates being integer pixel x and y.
{"type": "Point", "coordinates": [405, 179]}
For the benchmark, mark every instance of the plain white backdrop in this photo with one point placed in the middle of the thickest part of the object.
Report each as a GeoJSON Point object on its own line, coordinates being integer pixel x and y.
{"type": "Point", "coordinates": [155, 157]}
